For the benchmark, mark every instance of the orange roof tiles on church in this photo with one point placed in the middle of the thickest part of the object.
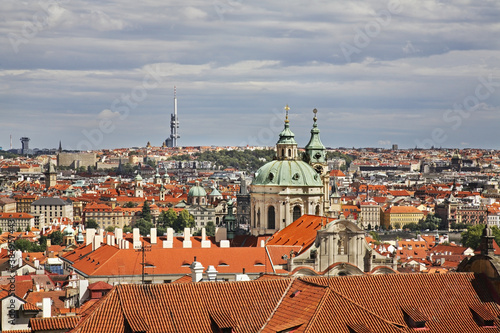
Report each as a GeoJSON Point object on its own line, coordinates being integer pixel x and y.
{"type": "Point", "coordinates": [302, 232]}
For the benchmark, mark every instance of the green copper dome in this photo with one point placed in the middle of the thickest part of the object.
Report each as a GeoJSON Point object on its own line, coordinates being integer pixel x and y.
{"type": "Point", "coordinates": [197, 191]}
{"type": "Point", "coordinates": [287, 173]}
{"type": "Point", "coordinates": [68, 231]}
{"type": "Point", "coordinates": [315, 151]}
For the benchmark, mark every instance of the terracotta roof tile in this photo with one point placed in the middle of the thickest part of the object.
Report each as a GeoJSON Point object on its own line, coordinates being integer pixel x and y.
{"type": "Point", "coordinates": [54, 323]}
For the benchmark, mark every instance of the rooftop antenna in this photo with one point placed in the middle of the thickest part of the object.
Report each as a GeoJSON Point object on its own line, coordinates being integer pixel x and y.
{"type": "Point", "coordinates": [143, 249]}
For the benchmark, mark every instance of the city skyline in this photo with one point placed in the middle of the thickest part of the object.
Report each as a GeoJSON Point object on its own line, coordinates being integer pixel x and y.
{"type": "Point", "coordinates": [415, 74]}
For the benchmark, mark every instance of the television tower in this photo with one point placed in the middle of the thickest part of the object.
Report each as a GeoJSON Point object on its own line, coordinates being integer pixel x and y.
{"type": "Point", "coordinates": [174, 125]}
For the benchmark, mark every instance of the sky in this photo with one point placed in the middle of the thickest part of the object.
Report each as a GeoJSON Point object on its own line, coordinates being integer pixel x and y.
{"type": "Point", "coordinates": [101, 74]}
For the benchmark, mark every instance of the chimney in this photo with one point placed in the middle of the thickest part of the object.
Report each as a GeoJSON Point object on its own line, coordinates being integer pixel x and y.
{"type": "Point", "coordinates": [153, 235]}
{"type": "Point", "coordinates": [118, 234]}
{"type": "Point", "coordinates": [46, 307]}
{"type": "Point", "coordinates": [224, 243]}
{"type": "Point", "coordinates": [108, 239]}
{"type": "Point", "coordinates": [136, 238]}
{"type": "Point", "coordinates": [101, 232]}
{"type": "Point", "coordinates": [205, 243]}
{"type": "Point", "coordinates": [211, 273]}
{"type": "Point", "coordinates": [169, 243]}
{"type": "Point", "coordinates": [196, 271]}
{"type": "Point", "coordinates": [98, 239]}
{"type": "Point", "coordinates": [89, 236]}
{"type": "Point", "coordinates": [187, 243]}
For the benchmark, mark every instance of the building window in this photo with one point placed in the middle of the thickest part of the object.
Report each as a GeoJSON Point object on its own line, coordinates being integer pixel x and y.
{"type": "Point", "coordinates": [296, 212]}
{"type": "Point", "coordinates": [271, 218]}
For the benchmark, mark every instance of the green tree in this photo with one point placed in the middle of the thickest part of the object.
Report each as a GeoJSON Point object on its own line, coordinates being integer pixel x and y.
{"type": "Point", "coordinates": [472, 237]}
{"type": "Point", "coordinates": [146, 212]}
{"type": "Point", "coordinates": [127, 228]}
{"type": "Point", "coordinates": [167, 219]}
{"type": "Point", "coordinates": [210, 228]}
{"type": "Point", "coordinates": [374, 235]}
{"type": "Point", "coordinates": [111, 228]}
{"type": "Point", "coordinates": [184, 220]}
{"type": "Point", "coordinates": [130, 204]}
{"type": "Point", "coordinates": [91, 223]}
{"type": "Point", "coordinates": [23, 245]}
{"type": "Point", "coordinates": [412, 226]}
{"type": "Point", "coordinates": [28, 228]}
{"type": "Point", "coordinates": [397, 225]}
{"type": "Point", "coordinates": [56, 238]}
{"type": "Point", "coordinates": [144, 226]}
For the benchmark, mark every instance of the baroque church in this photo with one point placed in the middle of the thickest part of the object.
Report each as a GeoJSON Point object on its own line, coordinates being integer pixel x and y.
{"type": "Point", "coordinates": [292, 185]}
{"type": "Point", "coordinates": [290, 200]}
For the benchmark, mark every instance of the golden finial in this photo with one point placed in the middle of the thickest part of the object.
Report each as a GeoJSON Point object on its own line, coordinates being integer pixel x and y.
{"type": "Point", "coordinates": [315, 118]}
{"type": "Point", "coordinates": [286, 109]}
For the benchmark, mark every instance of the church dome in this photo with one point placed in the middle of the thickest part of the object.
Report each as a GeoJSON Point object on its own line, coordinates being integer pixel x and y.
{"type": "Point", "coordinates": [68, 231]}
{"type": "Point", "coordinates": [197, 191]}
{"type": "Point", "coordinates": [287, 173]}
{"type": "Point", "coordinates": [138, 177]}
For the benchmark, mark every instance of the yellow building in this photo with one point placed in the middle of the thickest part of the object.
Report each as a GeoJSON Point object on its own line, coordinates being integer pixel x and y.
{"type": "Point", "coordinates": [401, 215]}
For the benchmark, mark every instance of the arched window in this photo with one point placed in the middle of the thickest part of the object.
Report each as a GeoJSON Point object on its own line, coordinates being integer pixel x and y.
{"type": "Point", "coordinates": [282, 152]}
{"type": "Point", "coordinates": [270, 218]}
{"type": "Point", "coordinates": [258, 218]}
{"type": "Point", "coordinates": [296, 212]}
{"type": "Point", "coordinates": [317, 211]}
{"type": "Point", "coordinates": [289, 153]}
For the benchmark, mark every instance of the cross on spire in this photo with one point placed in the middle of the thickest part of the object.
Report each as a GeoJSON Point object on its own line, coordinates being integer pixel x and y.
{"type": "Point", "coordinates": [287, 109]}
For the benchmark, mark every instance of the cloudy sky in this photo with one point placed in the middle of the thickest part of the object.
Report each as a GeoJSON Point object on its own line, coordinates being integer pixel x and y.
{"type": "Point", "coordinates": [101, 74]}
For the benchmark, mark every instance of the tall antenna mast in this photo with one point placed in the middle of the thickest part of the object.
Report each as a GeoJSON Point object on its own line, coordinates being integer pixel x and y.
{"type": "Point", "coordinates": [174, 124]}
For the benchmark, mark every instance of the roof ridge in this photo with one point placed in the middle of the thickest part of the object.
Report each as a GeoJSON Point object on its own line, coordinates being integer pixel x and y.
{"type": "Point", "coordinates": [316, 311]}
{"type": "Point", "coordinates": [292, 280]}
{"type": "Point", "coordinates": [98, 304]}
{"type": "Point", "coordinates": [396, 325]}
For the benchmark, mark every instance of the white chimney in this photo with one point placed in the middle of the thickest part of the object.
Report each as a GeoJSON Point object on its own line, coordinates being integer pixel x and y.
{"type": "Point", "coordinates": [224, 243]}
{"type": "Point", "coordinates": [89, 236]}
{"type": "Point", "coordinates": [97, 242]}
{"type": "Point", "coordinates": [203, 234]}
{"type": "Point", "coordinates": [262, 243]}
{"type": "Point", "coordinates": [108, 239]}
{"type": "Point", "coordinates": [46, 307]}
{"type": "Point", "coordinates": [136, 238]}
{"type": "Point", "coordinates": [187, 243]}
{"type": "Point", "coordinates": [169, 243]}
{"type": "Point", "coordinates": [101, 232]}
{"type": "Point", "coordinates": [196, 271]}
{"type": "Point", "coordinates": [153, 235]}
{"type": "Point", "coordinates": [211, 273]}
{"type": "Point", "coordinates": [118, 234]}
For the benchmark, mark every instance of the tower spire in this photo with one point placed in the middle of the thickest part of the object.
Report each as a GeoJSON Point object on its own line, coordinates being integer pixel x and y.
{"type": "Point", "coordinates": [174, 124]}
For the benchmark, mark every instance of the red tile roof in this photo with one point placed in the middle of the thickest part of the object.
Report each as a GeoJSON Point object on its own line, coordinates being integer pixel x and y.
{"type": "Point", "coordinates": [54, 323]}
{"type": "Point", "coordinates": [302, 232]}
